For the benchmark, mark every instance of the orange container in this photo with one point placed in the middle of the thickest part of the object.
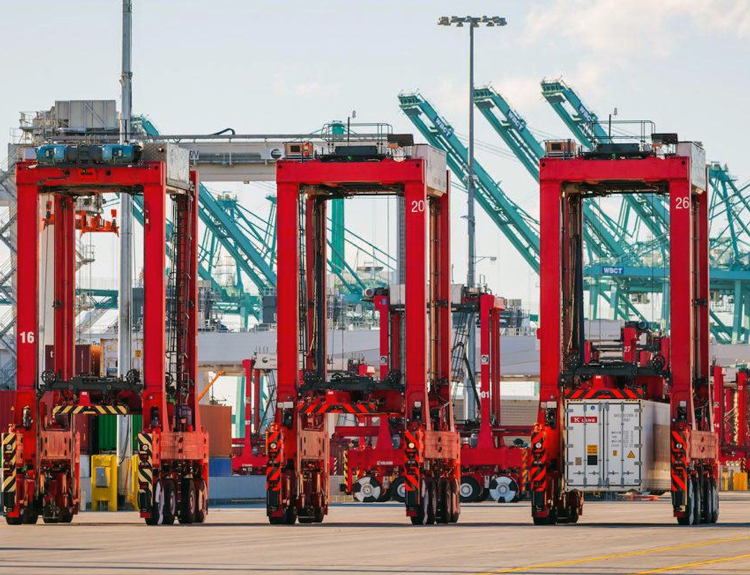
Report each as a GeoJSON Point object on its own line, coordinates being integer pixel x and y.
{"type": "Point", "coordinates": [7, 401]}
{"type": "Point", "coordinates": [217, 419]}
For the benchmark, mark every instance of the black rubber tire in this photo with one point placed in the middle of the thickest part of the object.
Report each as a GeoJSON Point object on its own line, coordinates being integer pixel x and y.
{"type": "Point", "coordinates": [29, 516]}
{"type": "Point", "coordinates": [432, 507]}
{"type": "Point", "coordinates": [276, 520]}
{"type": "Point", "coordinates": [420, 518]}
{"type": "Point", "coordinates": [188, 502]}
{"type": "Point", "coordinates": [305, 518]}
{"type": "Point", "coordinates": [49, 520]}
{"type": "Point", "coordinates": [318, 515]}
{"type": "Point", "coordinates": [368, 481]}
{"type": "Point", "coordinates": [706, 500]}
{"type": "Point", "coordinates": [170, 502]}
{"type": "Point", "coordinates": [201, 509]}
{"type": "Point", "coordinates": [66, 516]}
{"type": "Point", "coordinates": [443, 501]}
{"type": "Point", "coordinates": [158, 488]}
{"type": "Point", "coordinates": [290, 516]}
{"type": "Point", "coordinates": [394, 489]}
{"type": "Point", "coordinates": [14, 520]}
{"type": "Point", "coordinates": [456, 507]}
{"type": "Point", "coordinates": [573, 515]}
{"type": "Point", "coordinates": [469, 483]}
{"type": "Point", "coordinates": [541, 520]}
{"type": "Point", "coordinates": [688, 518]}
{"type": "Point", "coordinates": [697, 505]}
{"type": "Point", "coordinates": [715, 508]}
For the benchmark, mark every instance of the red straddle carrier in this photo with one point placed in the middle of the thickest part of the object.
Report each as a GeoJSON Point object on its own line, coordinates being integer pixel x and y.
{"type": "Point", "coordinates": [41, 447]}
{"type": "Point", "coordinates": [661, 380]}
{"type": "Point", "coordinates": [298, 440]}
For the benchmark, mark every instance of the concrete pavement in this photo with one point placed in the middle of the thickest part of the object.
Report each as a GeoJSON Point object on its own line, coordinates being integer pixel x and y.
{"type": "Point", "coordinates": [612, 538]}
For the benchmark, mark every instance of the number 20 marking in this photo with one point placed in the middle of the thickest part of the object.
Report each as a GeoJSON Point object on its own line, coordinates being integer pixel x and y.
{"type": "Point", "coordinates": [418, 205]}
{"type": "Point", "coordinates": [682, 203]}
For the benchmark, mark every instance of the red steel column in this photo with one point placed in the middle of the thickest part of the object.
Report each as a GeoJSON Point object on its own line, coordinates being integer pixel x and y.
{"type": "Point", "coordinates": [441, 303]}
{"type": "Point", "coordinates": [485, 302]}
{"type": "Point", "coordinates": [550, 277]}
{"type": "Point", "coordinates": [257, 376]}
{"type": "Point", "coordinates": [287, 291]}
{"type": "Point", "coordinates": [495, 362]}
{"type": "Point", "coordinates": [154, 307]}
{"type": "Point", "coordinates": [382, 307]}
{"type": "Point", "coordinates": [742, 416]}
{"type": "Point", "coordinates": [64, 287]}
{"type": "Point", "coordinates": [416, 301]}
{"type": "Point", "coordinates": [191, 362]}
{"type": "Point", "coordinates": [27, 288]}
{"type": "Point", "coordinates": [681, 282]}
{"type": "Point", "coordinates": [704, 328]}
{"type": "Point", "coordinates": [247, 366]}
{"type": "Point", "coordinates": [718, 401]}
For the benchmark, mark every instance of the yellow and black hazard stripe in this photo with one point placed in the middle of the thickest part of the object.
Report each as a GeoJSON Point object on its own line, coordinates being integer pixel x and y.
{"type": "Point", "coordinates": [10, 471]}
{"type": "Point", "coordinates": [411, 467]}
{"type": "Point", "coordinates": [145, 471]}
{"type": "Point", "coordinates": [345, 468]}
{"type": "Point", "coordinates": [363, 408]}
{"type": "Point", "coordinates": [538, 467]}
{"type": "Point", "coordinates": [273, 467]}
{"type": "Point", "coordinates": [604, 394]}
{"type": "Point", "coordinates": [525, 470]}
{"type": "Point", "coordinates": [90, 410]}
{"type": "Point", "coordinates": [679, 460]}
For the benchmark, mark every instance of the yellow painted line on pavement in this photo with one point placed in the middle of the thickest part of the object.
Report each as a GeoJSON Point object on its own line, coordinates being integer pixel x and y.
{"type": "Point", "coordinates": [617, 556]}
{"type": "Point", "coordinates": [696, 564]}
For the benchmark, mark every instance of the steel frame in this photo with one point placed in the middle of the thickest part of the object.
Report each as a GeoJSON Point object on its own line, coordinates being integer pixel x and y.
{"type": "Point", "coordinates": [489, 467]}
{"type": "Point", "coordinates": [685, 381]}
{"type": "Point", "coordinates": [731, 416]}
{"type": "Point", "coordinates": [42, 466]}
{"type": "Point", "coordinates": [251, 460]}
{"type": "Point", "coordinates": [298, 440]}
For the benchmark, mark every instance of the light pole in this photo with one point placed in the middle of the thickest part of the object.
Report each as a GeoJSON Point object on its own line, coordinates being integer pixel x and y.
{"type": "Point", "coordinates": [473, 22]}
{"type": "Point", "coordinates": [490, 258]}
{"type": "Point", "coordinates": [125, 295]}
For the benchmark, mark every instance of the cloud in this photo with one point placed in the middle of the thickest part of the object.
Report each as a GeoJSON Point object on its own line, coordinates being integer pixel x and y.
{"type": "Point", "coordinates": [621, 29]}
{"type": "Point", "coordinates": [305, 89]}
{"type": "Point", "coordinates": [314, 88]}
{"type": "Point", "coordinates": [452, 96]}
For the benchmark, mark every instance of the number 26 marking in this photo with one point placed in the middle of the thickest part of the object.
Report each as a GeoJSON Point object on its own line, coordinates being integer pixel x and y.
{"type": "Point", "coordinates": [682, 203]}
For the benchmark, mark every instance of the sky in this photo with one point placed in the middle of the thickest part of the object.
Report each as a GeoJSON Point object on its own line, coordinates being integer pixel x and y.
{"type": "Point", "coordinates": [262, 67]}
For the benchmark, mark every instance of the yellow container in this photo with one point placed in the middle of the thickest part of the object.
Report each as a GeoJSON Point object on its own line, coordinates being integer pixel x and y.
{"type": "Point", "coordinates": [131, 489]}
{"type": "Point", "coordinates": [740, 481]}
{"type": "Point", "coordinates": [104, 482]}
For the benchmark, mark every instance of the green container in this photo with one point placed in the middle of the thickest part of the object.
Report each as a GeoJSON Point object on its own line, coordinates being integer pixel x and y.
{"type": "Point", "coordinates": [107, 432]}
{"type": "Point", "coordinates": [136, 425]}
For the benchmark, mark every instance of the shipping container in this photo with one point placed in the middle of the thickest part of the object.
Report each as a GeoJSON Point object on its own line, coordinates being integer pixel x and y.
{"type": "Point", "coordinates": [7, 400]}
{"type": "Point", "coordinates": [87, 359]}
{"type": "Point", "coordinates": [217, 420]}
{"type": "Point", "coordinates": [219, 466]}
{"type": "Point", "coordinates": [83, 425]}
{"type": "Point", "coordinates": [109, 356]}
{"type": "Point", "coordinates": [107, 432]}
{"type": "Point", "coordinates": [617, 445]}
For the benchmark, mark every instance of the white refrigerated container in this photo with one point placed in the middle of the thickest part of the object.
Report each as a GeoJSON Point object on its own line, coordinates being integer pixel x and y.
{"type": "Point", "coordinates": [616, 445]}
